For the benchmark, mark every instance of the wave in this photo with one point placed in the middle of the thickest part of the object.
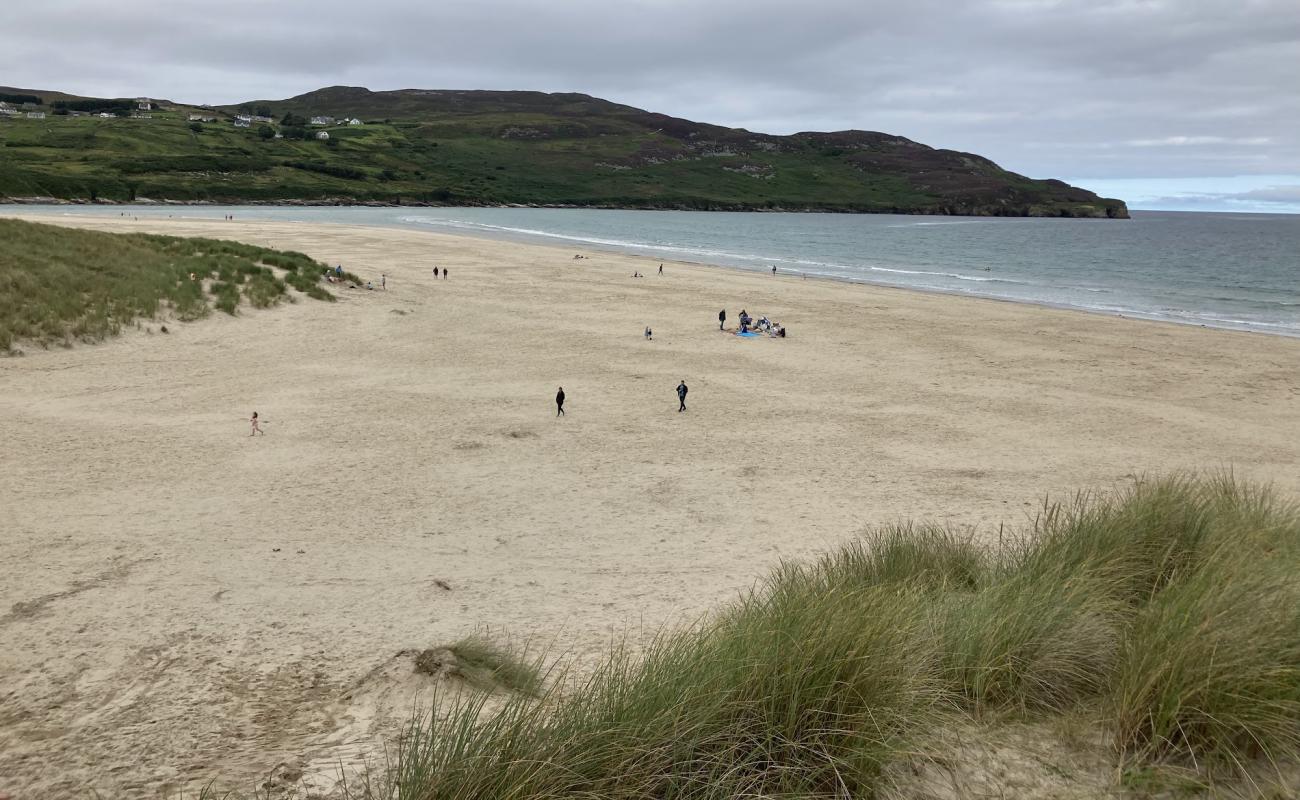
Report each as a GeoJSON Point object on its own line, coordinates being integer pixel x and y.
{"type": "Point", "coordinates": [959, 276]}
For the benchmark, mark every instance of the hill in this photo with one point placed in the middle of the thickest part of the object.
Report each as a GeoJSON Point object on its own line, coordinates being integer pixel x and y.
{"type": "Point", "coordinates": [488, 147]}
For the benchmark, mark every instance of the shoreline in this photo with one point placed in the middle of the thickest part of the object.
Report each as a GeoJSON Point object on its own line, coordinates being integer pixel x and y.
{"type": "Point", "coordinates": [543, 240]}
{"type": "Point", "coordinates": [718, 209]}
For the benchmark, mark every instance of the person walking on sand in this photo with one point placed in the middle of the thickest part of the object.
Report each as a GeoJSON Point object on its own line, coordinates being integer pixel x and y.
{"type": "Point", "coordinates": [435, 272]}
{"type": "Point", "coordinates": [445, 272]}
{"type": "Point", "coordinates": [257, 427]}
{"type": "Point", "coordinates": [722, 318]}
{"type": "Point", "coordinates": [681, 396]}
{"type": "Point", "coordinates": [383, 281]}
{"type": "Point", "coordinates": [559, 402]}
{"type": "Point", "coordinates": [661, 269]}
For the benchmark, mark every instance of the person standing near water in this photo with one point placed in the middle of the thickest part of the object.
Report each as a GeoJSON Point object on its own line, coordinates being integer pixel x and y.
{"type": "Point", "coordinates": [774, 269]}
{"type": "Point", "coordinates": [383, 281]}
{"type": "Point", "coordinates": [681, 396]}
{"type": "Point", "coordinates": [445, 272]}
{"type": "Point", "coordinates": [256, 426]}
{"type": "Point", "coordinates": [661, 269]}
{"type": "Point", "coordinates": [722, 318]}
{"type": "Point", "coordinates": [559, 402]}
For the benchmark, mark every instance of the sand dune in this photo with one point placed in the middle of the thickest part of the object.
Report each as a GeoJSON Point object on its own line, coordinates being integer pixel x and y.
{"type": "Point", "coordinates": [183, 602]}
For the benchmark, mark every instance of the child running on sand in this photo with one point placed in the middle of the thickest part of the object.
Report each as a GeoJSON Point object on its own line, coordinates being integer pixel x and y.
{"type": "Point", "coordinates": [256, 426]}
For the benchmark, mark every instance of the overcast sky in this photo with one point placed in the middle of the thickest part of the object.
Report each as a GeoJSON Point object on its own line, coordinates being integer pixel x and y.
{"type": "Point", "coordinates": [1167, 103]}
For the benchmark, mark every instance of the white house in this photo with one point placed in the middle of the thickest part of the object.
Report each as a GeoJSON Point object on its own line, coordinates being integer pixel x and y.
{"type": "Point", "coordinates": [323, 136]}
{"type": "Point", "coordinates": [36, 115]}
{"type": "Point", "coordinates": [257, 118]}
{"type": "Point", "coordinates": [354, 121]}
{"type": "Point", "coordinates": [143, 104]}
{"type": "Point", "coordinates": [322, 120]}
{"type": "Point", "coordinates": [105, 115]}
{"type": "Point", "coordinates": [242, 122]}
{"type": "Point", "coordinates": [202, 118]}
{"type": "Point", "coordinates": [141, 115]}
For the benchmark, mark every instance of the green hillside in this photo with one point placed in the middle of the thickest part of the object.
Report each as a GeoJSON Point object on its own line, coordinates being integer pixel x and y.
{"type": "Point", "coordinates": [481, 147]}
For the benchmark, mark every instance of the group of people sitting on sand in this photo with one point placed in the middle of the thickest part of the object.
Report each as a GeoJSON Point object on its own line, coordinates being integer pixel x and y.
{"type": "Point", "coordinates": [762, 325]}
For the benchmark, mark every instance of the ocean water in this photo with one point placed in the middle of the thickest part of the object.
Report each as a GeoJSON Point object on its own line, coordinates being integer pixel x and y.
{"type": "Point", "coordinates": [1239, 271]}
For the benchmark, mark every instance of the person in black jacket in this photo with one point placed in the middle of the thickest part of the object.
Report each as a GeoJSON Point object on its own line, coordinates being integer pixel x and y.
{"type": "Point", "coordinates": [681, 396]}
{"type": "Point", "coordinates": [722, 318]}
{"type": "Point", "coordinates": [559, 402]}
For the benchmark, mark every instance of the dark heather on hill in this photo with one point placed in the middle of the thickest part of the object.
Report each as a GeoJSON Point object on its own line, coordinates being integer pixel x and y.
{"type": "Point", "coordinates": [426, 147]}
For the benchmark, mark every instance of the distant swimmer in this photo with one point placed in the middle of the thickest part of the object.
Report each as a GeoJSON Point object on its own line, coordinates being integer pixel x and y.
{"type": "Point", "coordinates": [257, 427]}
{"type": "Point", "coordinates": [681, 396]}
{"type": "Point", "coordinates": [559, 402]}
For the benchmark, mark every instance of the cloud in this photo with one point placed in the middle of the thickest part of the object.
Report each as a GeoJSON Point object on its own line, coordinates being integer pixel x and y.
{"type": "Point", "coordinates": [1195, 141]}
{"type": "Point", "coordinates": [1093, 88]}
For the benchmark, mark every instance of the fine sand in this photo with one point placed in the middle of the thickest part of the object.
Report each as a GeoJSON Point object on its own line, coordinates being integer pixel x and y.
{"type": "Point", "coordinates": [182, 602]}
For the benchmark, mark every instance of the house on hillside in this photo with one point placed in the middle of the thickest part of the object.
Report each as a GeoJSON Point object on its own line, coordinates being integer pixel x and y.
{"type": "Point", "coordinates": [36, 115]}
{"type": "Point", "coordinates": [323, 136]}
{"type": "Point", "coordinates": [258, 118]}
{"type": "Point", "coordinates": [243, 122]}
{"type": "Point", "coordinates": [143, 104]}
{"type": "Point", "coordinates": [7, 110]}
{"type": "Point", "coordinates": [354, 121]}
{"type": "Point", "coordinates": [141, 115]}
{"type": "Point", "coordinates": [105, 115]}
{"type": "Point", "coordinates": [202, 118]}
{"type": "Point", "coordinates": [322, 120]}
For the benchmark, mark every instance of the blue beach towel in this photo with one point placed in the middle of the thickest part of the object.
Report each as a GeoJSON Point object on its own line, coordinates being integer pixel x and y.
{"type": "Point", "coordinates": [748, 334]}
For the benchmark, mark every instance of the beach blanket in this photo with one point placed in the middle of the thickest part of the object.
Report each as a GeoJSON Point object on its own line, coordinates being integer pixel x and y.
{"type": "Point", "coordinates": [748, 334]}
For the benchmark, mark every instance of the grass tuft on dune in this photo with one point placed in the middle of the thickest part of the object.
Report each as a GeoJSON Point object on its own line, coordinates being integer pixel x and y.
{"type": "Point", "coordinates": [1168, 615]}
{"type": "Point", "coordinates": [60, 285]}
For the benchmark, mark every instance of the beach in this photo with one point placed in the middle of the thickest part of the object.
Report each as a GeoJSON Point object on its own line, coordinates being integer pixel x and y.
{"type": "Point", "coordinates": [184, 602]}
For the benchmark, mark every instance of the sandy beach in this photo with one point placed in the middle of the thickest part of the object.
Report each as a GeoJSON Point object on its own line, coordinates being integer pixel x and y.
{"type": "Point", "coordinates": [184, 603]}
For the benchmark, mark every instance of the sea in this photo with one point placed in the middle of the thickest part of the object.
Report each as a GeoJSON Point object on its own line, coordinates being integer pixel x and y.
{"type": "Point", "coordinates": [1225, 270]}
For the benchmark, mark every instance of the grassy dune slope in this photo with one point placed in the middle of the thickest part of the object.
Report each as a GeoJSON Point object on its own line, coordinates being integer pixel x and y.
{"type": "Point", "coordinates": [59, 285]}
{"type": "Point", "coordinates": [1167, 619]}
{"type": "Point", "coordinates": [454, 147]}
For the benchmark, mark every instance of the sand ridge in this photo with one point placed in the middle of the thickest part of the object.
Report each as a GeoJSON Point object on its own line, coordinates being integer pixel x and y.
{"type": "Point", "coordinates": [182, 602]}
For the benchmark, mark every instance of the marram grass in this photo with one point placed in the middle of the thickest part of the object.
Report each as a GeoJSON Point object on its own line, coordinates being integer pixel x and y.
{"type": "Point", "coordinates": [61, 285]}
{"type": "Point", "coordinates": [1168, 613]}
